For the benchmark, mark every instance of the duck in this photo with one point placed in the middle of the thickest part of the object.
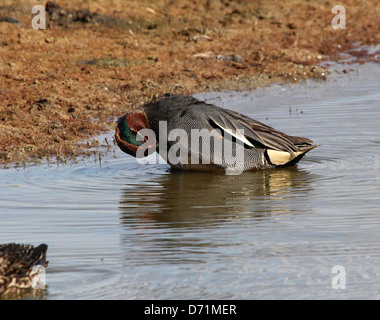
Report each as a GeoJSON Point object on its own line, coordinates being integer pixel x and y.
{"type": "Point", "coordinates": [16, 266]}
{"type": "Point", "coordinates": [237, 143]}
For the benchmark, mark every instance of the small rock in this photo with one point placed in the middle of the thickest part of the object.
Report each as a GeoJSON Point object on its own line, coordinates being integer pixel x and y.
{"type": "Point", "coordinates": [208, 54]}
{"type": "Point", "coordinates": [229, 58]}
{"type": "Point", "coordinates": [199, 37]}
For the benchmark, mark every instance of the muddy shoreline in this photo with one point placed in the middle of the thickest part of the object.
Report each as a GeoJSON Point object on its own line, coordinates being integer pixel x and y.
{"type": "Point", "coordinates": [95, 61]}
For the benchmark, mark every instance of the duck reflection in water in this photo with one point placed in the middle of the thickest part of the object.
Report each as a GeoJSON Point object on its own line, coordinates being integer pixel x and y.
{"type": "Point", "coordinates": [191, 199]}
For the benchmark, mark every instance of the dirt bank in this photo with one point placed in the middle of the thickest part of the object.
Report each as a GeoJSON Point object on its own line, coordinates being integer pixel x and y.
{"type": "Point", "coordinates": [98, 59]}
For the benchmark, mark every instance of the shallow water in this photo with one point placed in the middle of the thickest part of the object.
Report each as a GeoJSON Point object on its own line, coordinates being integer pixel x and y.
{"type": "Point", "coordinates": [119, 229]}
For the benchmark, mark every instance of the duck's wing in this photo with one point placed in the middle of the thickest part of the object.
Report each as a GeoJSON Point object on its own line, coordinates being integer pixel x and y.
{"type": "Point", "coordinates": [255, 134]}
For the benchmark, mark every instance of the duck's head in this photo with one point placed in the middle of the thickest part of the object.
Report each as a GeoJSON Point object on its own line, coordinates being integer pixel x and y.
{"type": "Point", "coordinates": [128, 136]}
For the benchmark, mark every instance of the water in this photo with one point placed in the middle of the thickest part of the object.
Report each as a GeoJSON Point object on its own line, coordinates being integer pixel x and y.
{"type": "Point", "coordinates": [117, 229]}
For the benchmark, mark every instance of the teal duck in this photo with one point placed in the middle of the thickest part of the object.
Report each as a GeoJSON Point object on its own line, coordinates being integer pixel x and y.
{"type": "Point", "coordinates": [16, 266]}
{"type": "Point", "coordinates": [261, 146]}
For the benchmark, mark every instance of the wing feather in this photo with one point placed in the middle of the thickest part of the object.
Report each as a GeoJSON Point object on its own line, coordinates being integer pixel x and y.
{"type": "Point", "coordinates": [256, 134]}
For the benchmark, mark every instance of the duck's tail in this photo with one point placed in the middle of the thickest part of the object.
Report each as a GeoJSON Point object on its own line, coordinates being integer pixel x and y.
{"type": "Point", "coordinates": [283, 158]}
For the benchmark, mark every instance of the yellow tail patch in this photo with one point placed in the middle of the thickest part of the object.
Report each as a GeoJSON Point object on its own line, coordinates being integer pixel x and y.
{"type": "Point", "coordinates": [279, 158]}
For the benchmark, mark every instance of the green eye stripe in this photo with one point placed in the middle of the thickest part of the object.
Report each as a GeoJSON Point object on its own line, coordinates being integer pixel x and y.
{"type": "Point", "coordinates": [127, 134]}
